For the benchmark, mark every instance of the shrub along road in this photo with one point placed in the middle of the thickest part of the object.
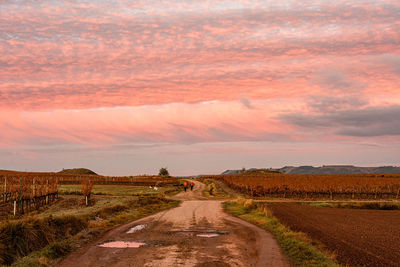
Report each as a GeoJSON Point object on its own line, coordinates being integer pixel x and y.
{"type": "Point", "coordinates": [197, 233]}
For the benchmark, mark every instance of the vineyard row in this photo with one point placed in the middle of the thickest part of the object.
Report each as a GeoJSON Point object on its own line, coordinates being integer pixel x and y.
{"type": "Point", "coordinates": [314, 186]}
{"type": "Point", "coordinates": [28, 193]}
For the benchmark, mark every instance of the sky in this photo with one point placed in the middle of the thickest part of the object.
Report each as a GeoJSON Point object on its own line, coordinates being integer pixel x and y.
{"type": "Point", "coordinates": [128, 87]}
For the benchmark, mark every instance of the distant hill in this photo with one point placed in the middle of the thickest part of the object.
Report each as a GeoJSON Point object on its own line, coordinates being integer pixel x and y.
{"type": "Point", "coordinates": [326, 169]}
{"type": "Point", "coordinates": [229, 172]}
{"type": "Point", "coordinates": [78, 171]}
{"type": "Point", "coordinates": [339, 169]}
{"type": "Point", "coordinates": [252, 170]}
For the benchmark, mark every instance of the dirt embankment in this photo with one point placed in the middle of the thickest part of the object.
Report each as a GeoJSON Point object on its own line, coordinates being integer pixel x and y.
{"type": "Point", "coordinates": [358, 237]}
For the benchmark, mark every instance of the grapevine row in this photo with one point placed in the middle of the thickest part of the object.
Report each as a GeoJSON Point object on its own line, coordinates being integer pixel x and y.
{"type": "Point", "coordinates": [28, 193]}
{"type": "Point", "coordinates": [314, 186]}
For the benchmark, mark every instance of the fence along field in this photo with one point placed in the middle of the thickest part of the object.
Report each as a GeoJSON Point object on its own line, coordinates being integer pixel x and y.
{"type": "Point", "coordinates": [356, 186]}
{"type": "Point", "coordinates": [29, 191]}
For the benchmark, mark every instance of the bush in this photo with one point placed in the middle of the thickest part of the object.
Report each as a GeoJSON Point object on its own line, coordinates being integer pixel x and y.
{"type": "Point", "coordinates": [248, 204]}
{"type": "Point", "coordinates": [143, 201]}
{"type": "Point", "coordinates": [57, 249]}
{"type": "Point", "coordinates": [108, 211]}
{"type": "Point", "coordinates": [18, 239]}
{"type": "Point", "coordinates": [163, 172]}
{"type": "Point", "coordinates": [212, 189]}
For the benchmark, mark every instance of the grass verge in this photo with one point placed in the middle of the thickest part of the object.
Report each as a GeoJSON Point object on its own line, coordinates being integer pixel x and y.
{"type": "Point", "coordinates": [299, 249]}
{"type": "Point", "coordinates": [118, 190]}
{"type": "Point", "coordinates": [213, 190]}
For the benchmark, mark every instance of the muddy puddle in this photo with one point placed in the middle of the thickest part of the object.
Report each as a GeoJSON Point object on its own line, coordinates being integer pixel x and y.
{"type": "Point", "coordinates": [122, 244]}
{"type": "Point", "coordinates": [208, 233]}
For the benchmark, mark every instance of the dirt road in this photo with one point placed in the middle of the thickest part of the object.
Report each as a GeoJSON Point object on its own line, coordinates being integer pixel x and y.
{"type": "Point", "coordinates": [197, 233]}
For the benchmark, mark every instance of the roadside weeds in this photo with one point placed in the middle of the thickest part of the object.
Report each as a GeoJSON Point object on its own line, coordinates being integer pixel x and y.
{"type": "Point", "coordinates": [215, 190]}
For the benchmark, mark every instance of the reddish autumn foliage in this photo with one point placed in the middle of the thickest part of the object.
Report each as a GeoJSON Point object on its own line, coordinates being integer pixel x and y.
{"type": "Point", "coordinates": [315, 186]}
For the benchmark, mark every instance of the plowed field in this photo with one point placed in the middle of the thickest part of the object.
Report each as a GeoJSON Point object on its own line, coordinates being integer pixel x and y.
{"type": "Point", "coordinates": [358, 237]}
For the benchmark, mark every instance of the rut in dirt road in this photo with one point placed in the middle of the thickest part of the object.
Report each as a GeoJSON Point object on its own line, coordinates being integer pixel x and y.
{"type": "Point", "coordinates": [197, 233]}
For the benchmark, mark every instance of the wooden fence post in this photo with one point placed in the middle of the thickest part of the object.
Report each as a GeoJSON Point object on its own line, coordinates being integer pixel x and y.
{"type": "Point", "coordinates": [5, 189]}
{"type": "Point", "coordinates": [20, 196]}
{"type": "Point", "coordinates": [47, 192]}
{"type": "Point", "coordinates": [33, 195]}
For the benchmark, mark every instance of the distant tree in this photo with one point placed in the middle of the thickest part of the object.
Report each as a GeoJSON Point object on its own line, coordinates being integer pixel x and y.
{"type": "Point", "coordinates": [163, 172]}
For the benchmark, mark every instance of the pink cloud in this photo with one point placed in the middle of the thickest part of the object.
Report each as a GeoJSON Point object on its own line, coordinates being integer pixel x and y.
{"type": "Point", "coordinates": [87, 55]}
{"type": "Point", "coordinates": [172, 123]}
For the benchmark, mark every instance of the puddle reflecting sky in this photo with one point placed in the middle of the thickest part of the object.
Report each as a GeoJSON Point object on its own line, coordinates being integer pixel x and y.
{"type": "Point", "coordinates": [207, 235]}
{"type": "Point", "coordinates": [122, 244]}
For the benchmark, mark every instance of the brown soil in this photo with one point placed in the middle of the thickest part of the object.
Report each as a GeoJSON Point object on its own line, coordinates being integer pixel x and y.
{"type": "Point", "coordinates": [357, 237]}
{"type": "Point", "coordinates": [171, 240]}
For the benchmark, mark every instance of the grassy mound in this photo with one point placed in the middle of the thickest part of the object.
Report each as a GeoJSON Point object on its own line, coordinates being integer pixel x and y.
{"type": "Point", "coordinates": [78, 171]}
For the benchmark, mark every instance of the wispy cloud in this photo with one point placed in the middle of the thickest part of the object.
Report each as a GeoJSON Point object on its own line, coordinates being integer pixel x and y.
{"type": "Point", "coordinates": [114, 53]}
{"type": "Point", "coordinates": [169, 123]}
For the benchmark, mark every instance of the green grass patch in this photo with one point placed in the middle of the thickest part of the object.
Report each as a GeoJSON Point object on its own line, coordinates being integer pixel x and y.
{"type": "Point", "coordinates": [318, 204]}
{"type": "Point", "coordinates": [116, 190]}
{"type": "Point", "coordinates": [44, 257]}
{"type": "Point", "coordinates": [111, 210]}
{"type": "Point", "coordinates": [143, 208]}
{"type": "Point", "coordinates": [76, 205]}
{"type": "Point", "coordinates": [299, 249]}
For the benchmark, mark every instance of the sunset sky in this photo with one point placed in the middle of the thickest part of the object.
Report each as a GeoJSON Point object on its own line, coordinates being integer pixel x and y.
{"type": "Point", "coordinates": [128, 87]}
